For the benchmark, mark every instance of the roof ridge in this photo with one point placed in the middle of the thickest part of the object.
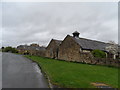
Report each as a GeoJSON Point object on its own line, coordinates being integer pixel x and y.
{"type": "Point", "coordinates": [57, 40]}
{"type": "Point", "coordinates": [90, 44]}
{"type": "Point", "coordinates": [90, 40]}
{"type": "Point", "coordinates": [94, 40]}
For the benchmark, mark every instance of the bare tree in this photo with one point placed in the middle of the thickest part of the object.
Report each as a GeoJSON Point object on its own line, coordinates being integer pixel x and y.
{"type": "Point", "coordinates": [112, 48]}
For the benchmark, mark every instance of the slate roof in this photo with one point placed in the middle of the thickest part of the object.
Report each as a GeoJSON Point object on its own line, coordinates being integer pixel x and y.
{"type": "Point", "coordinates": [91, 44]}
{"type": "Point", "coordinates": [22, 47]}
{"type": "Point", "coordinates": [25, 47]}
{"type": "Point", "coordinates": [36, 48]}
{"type": "Point", "coordinates": [42, 48]}
{"type": "Point", "coordinates": [58, 42]}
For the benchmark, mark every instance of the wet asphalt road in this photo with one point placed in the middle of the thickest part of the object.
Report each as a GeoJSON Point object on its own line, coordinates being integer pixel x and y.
{"type": "Point", "coordinates": [20, 72]}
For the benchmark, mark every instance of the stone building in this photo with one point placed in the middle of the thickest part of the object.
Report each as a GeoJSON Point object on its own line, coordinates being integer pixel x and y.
{"type": "Point", "coordinates": [32, 49]}
{"type": "Point", "coordinates": [34, 45]}
{"type": "Point", "coordinates": [74, 48]}
{"type": "Point", "coordinates": [53, 48]}
{"type": "Point", "coordinates": [23, 49]}
{"type": "Point", "coordinates": [41, 51]}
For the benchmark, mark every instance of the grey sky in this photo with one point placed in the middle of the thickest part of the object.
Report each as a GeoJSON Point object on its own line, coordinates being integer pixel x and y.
{"type": "Point", "coordinates": [25, 23]}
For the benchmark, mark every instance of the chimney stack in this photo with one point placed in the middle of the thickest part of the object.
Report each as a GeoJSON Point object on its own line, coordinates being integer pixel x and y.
{"type": "Point", "coordinates": [76, 34]}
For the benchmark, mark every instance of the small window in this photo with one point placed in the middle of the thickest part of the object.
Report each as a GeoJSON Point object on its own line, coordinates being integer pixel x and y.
{"type": "Point", "coordinates": [80, 49]}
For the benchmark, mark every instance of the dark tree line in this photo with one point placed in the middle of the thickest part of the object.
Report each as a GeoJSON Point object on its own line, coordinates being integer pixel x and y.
{"type": "Point", "coordinates": [9, 49]}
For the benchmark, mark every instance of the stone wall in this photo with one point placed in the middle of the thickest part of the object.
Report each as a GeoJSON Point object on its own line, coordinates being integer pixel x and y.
{"type": "Point", "coordinates": [21, 51]}
{"type": "Point", "coordinates": [49, 50]}
{"type": "Point", "coordinates": [41, 53]}
{"type": "Point", "coordinates": [32, 52]}
{"type": "Point", "coordinates": [106, 61]}
{"type": "Point", "coordinates": [69, 50]}
{"type": "Point", "coordinates": [52, 50]}
{"type": "Point", "coordinates": [89, 59]}
{"type": "Point", "coordinates": [86, 57]}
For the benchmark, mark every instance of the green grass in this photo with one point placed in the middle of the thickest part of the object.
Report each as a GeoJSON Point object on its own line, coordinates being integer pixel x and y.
{"type": "Point", "coordinates": [76, 75]}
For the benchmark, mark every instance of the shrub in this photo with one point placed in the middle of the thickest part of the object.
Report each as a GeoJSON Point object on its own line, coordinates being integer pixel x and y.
{"type": "Point", "coordinates": [98, 53]}
{"type": "Point", "coordinates": [10, 49]}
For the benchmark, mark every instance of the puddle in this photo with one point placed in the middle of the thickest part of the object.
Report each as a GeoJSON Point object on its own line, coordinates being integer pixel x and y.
{"type": "Point", "coordinates": [100, 85]}
{"type": "Point", "coordinates": [37, 69]}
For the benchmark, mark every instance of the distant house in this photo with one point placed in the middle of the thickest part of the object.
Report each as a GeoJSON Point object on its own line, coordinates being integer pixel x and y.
{"type": "Point", "coordinates": [23, 49]}
{"type": "Point", "coordinates": [41, 51]}
{"type": "Point", "coordinates": [74, 48]}
{"type": "Point", "coordinates": [53, 48]}
{"type": "Point", "coordinates": [34, 45]}
{"type": "Point", "coordinates": [32, 49]}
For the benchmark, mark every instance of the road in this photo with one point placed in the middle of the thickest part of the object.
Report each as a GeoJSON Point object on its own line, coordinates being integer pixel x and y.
{"type": "Point", "coordinates": [20, 72]}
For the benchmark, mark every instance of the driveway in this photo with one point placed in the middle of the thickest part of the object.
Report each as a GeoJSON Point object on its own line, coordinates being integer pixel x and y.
{"type": "Point", "coordinates": [20, 72]}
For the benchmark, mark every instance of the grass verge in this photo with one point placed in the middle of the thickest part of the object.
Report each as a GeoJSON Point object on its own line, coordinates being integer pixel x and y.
{"type": "Point", "coordinates": [76, 75]}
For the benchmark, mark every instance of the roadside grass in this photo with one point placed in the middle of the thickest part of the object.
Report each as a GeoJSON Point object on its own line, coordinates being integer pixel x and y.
{"type": "Point", "coordinates": [76, 75]}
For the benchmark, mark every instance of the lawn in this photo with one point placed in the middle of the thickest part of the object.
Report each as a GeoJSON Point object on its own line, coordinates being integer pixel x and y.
{"type": "Point", "coordinates": [76, 75]}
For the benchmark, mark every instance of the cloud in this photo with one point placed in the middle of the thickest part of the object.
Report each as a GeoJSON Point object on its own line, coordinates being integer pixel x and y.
{"type": "Point", "coordinates": [40, 22]}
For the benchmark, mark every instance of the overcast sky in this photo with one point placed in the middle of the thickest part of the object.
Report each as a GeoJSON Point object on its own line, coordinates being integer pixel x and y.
{"type": "Point", "coordinates": [25, 23]}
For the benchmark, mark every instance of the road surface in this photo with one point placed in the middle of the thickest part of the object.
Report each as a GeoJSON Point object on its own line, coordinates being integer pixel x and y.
{"type": "Point", "coordinates": [20, 72]}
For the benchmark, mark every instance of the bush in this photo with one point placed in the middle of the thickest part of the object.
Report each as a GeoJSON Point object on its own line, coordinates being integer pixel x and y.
{"type": "Point", "coordinates": [10, 49]}
{"type": "Point", "coordinates": [98, 53]}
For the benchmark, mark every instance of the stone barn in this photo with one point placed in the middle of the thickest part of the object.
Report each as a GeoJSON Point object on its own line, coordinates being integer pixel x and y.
{"type": "Point", "coordinates": [53, 48]}
{"type": "Point", "coordinates": [74, 48]}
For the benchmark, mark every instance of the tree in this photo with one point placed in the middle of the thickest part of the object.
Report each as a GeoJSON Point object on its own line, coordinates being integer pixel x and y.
{"type": "Point", "coordinates": [10, 49]}
{"type": "Point", "coordinates": [2, 48]}
{"type": "Point", "coordinates": [112, 48]}
{"type": "Point", "coordinates": [98, 53]}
